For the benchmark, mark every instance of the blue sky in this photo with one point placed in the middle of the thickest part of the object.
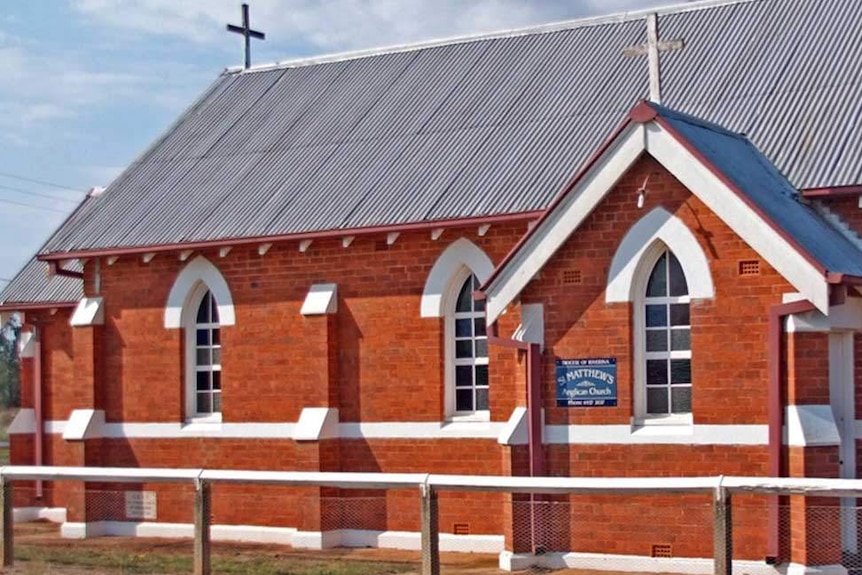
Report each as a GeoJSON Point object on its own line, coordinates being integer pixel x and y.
{"type": "Point", "coordinates": [89, 84]}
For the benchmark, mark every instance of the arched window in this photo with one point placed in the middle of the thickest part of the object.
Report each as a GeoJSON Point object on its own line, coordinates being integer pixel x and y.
{"type": "Point", "coordinates": [203, 357]}
{"type": "Point", "coordinates": [666, 341]}
{"type": "Point", "coordinates": [469, 346]}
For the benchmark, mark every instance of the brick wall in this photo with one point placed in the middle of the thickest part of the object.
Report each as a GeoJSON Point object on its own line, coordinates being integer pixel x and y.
{"type": "Point", "coordinates": [729, 333]}
{"type": "Point", "coordinates": [377, 360]}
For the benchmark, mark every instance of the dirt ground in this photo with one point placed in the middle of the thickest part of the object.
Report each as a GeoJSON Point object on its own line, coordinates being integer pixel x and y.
{"type": "Point", "coordinates": [37, 543]}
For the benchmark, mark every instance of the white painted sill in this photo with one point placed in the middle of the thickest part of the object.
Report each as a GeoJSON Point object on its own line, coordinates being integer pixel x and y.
{"type": "Point", "coordinates": [668, 425]}
{"type": "Point", "coordinates": [207, 423]}
{"type": "Point", "coordinates": [476, 417]}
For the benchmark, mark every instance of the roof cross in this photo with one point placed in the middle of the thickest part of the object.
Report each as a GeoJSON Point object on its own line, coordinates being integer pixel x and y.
{"type": "Point", "coordinates": [246, 31]}
{"type": "Point", "coordinates": [652, 49]}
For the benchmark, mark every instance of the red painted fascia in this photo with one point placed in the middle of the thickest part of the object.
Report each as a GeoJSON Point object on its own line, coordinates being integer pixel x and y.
{"type": "Point", "coordinates": [843, 279]}
{"type": "Point", "coordinates": [567, 188]}
{"type": "Point", "coordinates": [776, 416]}
{"type": "Point", "coordinates": [323, 234]}
{"type": "Point", "coordinates": [55, 268]}
{"type": "Point", "coordinates": [33, 306]}
{"type": "Point", "coordinates": [726, 181]}
{"type": "Point", "coordinates": [832, 192]}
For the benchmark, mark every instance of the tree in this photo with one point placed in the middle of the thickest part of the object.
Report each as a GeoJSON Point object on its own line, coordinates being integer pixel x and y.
{"type": "Point", "coordinates": [10, 388]}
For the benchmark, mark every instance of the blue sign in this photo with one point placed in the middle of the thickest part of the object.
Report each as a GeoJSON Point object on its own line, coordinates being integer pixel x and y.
{"type": "Point", "coordinates": [587, 382]}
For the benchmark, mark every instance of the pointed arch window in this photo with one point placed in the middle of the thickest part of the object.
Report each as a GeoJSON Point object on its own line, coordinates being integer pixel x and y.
{"type": "Point", "coordinates": [469, 346]}
{"type": "Point", "coordinates": [665, 365]}
{"type": "Point", "coordinates": [203, 357]}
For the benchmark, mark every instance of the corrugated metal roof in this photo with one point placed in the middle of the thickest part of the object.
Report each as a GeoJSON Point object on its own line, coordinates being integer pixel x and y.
{"type": "Point", "coordinates": [480, 127]}
{"type": "Point", "coordinates": [32, 285]}
{"type": "Point", "coordinates": [758, 179]}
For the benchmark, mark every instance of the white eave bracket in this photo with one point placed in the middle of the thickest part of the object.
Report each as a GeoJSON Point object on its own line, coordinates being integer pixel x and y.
{"type": "Point", "coordinates": [24, 422]}
{"type": "Point", "coordinates": [84, 424]}
{"type": "Point", "coordinates": [515, 431]}
{"type": "Point", "coordinates": [532, 327]}
{"type": "Point", "coordinates": [322, 299]}
{"type": "Point", "coordinates": [316, 423]}
{"type": "Point", "coordinates": [90, 311]}
{"type": "Point", "coordinates": [26, 345]}
{"type": "Point", "coordinates": [811, 426]}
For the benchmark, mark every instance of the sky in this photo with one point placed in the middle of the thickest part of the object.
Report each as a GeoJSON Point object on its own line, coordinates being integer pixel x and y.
{"type": "Point", "coordinates": [87, 85]}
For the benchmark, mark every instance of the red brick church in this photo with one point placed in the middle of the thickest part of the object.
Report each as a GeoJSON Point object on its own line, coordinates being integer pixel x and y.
{"type": "Point", "coordinates": [495, 255]}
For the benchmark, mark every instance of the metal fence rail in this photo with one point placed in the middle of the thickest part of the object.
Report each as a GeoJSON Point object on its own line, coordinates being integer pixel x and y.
{"type": "Point", "coordinates": [427, 487]}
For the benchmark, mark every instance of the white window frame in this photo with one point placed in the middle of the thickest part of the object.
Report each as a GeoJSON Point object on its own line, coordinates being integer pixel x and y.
{"type": "Point", "coordinates": [450, 301]}
{"type": "Point", "coordinates": [648, 261]}
{"type": "Point", "coordinates": [190, 326]}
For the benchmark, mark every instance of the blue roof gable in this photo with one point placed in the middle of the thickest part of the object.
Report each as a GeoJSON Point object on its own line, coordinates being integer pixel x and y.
{"type": "Point", "coordinates": [759, 181]}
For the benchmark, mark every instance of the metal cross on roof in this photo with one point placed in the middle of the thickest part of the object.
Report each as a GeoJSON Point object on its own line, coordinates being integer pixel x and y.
{"type": "Point", "coordinates": [248, 33]}
{"type": "Point", "coordinates": [653, 48]}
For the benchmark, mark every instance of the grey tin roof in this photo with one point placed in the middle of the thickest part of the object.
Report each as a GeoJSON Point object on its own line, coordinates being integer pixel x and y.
{"type": "Point", "coordinates": [759, 181]}
{"type": "Point", "coordinates": [479, 127]}
{"type": "Point", "coordinates": [33, 286]}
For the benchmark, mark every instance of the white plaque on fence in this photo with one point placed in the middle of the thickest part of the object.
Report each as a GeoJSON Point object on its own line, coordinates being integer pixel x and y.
{"type": "Point", "coordinates": [140, 504]}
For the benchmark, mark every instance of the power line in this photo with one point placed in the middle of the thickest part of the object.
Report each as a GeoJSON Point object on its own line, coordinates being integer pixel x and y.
{"type": "Point", "coordinates": [34, 181]}
{"type": "Point", "coordinates": [37, 194]}
{"type": "Point", "coordinates": [14, 203]}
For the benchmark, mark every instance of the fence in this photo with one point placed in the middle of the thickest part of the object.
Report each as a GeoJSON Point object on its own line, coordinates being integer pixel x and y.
{"type": "Point", "coordinates": [536, 503]}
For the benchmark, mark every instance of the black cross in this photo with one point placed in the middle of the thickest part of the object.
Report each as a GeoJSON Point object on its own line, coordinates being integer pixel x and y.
{"type": "Point", "coordinates": [246, 31]}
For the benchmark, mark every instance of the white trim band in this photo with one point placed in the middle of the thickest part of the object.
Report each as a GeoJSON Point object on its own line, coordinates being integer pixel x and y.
{"type": "Point", "coordinates": [687, 565]}
{"type": "Point", "coordinates": [497, 431]}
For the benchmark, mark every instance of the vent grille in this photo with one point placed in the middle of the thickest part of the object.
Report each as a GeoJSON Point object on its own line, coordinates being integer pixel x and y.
{"type": "Point", "coordinates": [461, 529]}
{"type": "Point", "coordinates": [663, 551]}
{"type": "Point", "coordinates": [749, 268]}
{"type": "Point", "coordinates": [572, 277]}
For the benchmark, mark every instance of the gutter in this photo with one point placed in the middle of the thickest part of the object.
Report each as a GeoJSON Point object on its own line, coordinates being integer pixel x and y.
{"type": "Point", "coordinates": [39, 431]}
{"type": "Point", "coordinates": [12, 306]}
{"type": "Point", "coordinates": [534, 416]}
{"type": "Point", "coordinates": [323, 234]}
{"type": "Point", "coordinates": [843, 279]}
{"type": "Point", "coordinates": [832, 192]}
{"type": "Point", "coordinates": [55, 268]}
{"type": "Point", "coordinates": [777, 313]}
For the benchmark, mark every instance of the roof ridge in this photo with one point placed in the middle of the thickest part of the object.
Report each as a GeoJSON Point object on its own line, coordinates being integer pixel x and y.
{"type": "Point", "coordinates": [698, 121]}
{"type": "Point", "coordinates": [617, 17]}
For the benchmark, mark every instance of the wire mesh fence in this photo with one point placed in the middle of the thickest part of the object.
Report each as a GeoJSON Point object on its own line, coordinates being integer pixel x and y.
{"type": "Point", "coordinates": [152, 527]}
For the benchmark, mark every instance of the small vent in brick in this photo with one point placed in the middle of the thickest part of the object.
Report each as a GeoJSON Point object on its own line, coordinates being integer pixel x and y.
{"type": "Point", "coordinates": [749, 268]}
{"type": "Point", "coordinates": [572, 277]}
{"type": "Point", "coordinates": [663, 551]}
{"type": "Point", "coordinates": [461, 529]}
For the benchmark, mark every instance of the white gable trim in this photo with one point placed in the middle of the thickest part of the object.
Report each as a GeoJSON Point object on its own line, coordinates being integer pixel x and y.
{"type": "Point", "coordinates": [739, 216]}
{"type": "Point", "coordinates": [199, 270]}
{"type": "Point", "coordinates": [460, 253]}
{"type": "Point", "coordinates": [658, 225]}
{"type": "Point", "coordinates": [566, 217]}
{"type": "Point", "coordinates": [591, 188]}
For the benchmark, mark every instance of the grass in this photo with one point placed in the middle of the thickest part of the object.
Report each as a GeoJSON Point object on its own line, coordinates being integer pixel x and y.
{"type": "Point", "coordinates": [39, 559]}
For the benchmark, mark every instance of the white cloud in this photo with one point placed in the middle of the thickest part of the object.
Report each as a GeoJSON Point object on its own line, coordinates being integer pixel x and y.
{"type": "Point", "coordinates": [339, 24]}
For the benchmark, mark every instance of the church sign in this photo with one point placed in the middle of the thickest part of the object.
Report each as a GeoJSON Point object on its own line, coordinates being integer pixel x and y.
{"type": "Point", "coordinates": [590, 382]}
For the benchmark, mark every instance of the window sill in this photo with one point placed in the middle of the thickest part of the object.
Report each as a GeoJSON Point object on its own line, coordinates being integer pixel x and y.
{"type": "Point", "coordinates": [671, 425]}
{"type": "Point", "coordinates": [210, 422]}
{"type": "Point", "coordinates": [477, 417]}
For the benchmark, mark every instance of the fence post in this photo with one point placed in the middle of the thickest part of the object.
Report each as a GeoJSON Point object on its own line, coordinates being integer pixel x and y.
{"type": "Point", "coordinates": [8, 523]}
{"type": "Point", "coordinates": [203, 501]}
{"type": "Point", "coordinates": [430, 531]}
{"type": "Point", "coordinates": [722, 532]}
